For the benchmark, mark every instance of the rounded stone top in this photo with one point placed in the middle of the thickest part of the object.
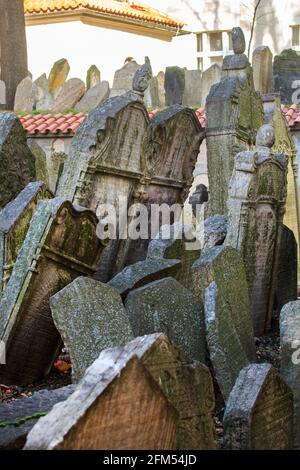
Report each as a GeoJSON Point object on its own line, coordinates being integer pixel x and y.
{"type": "Point", "coordinates": [265, 136]}
{"type": "Point", "coordinates": [238, 40]}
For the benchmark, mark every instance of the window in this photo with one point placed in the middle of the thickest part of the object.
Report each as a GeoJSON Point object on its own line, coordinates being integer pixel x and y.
{"type": "Point", "coordinates": [212, 47]}
{"type": "Point", "coordinates": [200, 63]}
{"type": "Point", "coordinates": [215, 42]}
{"type": "Point", "coordinates": [199, 42]}
{"type": "Point", "coordinates": [295, 36]}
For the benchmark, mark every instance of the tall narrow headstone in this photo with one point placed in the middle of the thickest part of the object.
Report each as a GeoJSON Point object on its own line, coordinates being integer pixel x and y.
{"type": "Point", "coordinates": [93, 77]}
{"type": "Point", "coordinates": [210, 77]}
{"type": "Point", "coordinates": [262, 63]}
{"type": "Point", "coordinates": [174, 85]}
{"type": "Point", "coordinates": [24, 98]}
{"type": "Point", "coordinates": [287, 267]}
{"type": "Point", "coordinates": [193, 88]}
{"type": "Point", "coordinates": [58, 76]}
{"type": "Point", "coordinates": [123, 79]}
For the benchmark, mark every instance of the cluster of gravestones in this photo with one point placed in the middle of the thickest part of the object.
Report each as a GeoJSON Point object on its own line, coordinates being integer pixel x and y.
{"type": "Point", "coordinates": [149, 325]}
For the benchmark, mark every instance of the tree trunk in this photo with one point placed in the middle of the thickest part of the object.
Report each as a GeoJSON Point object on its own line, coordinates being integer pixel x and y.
{"type": "Point", "coordinates": [13, 48]}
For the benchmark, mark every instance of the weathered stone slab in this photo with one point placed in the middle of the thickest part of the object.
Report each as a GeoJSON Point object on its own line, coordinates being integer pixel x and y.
{"type": "Point", "coordinates": [262, 63]}
{"type": "Point", "coordinates": [123, 79]}
{"type": "Point", "coordinates": [41, 168]}
{"type": "Point", "coordinates": [286, 69]}
{"type": "Point", "coordinates": [257, 197]}
{"type": "Point", "coordinates": [58, 75]}
{"type": "Point", "coordinates": [142, 273]}
{"type": "Point", "coordinates": [290, 363]}
{"type": "Point", "coordinates": [93, 77]}
{"type": "Point", "coordinates": [161, 88]}
{"type": "Point", "coordinates": [60, 245]}
{"type": "Point", "coordinates": [215, 231]}
{"type": "Point", "coordinates": [43, 99]}
{"type": "Point", "coordinates": [287, 266]}
{"type": "Point", "coordinates": [17, 164]}
{"type": "Point", "coordinates": [210, 77]}
{"type": "Point", "coordinates": [24, 97]}
{"type": "Point", "coordinates": [220, 282]}
{"type": "Point", "coordinates": [193, 88]}
{"type": "Point", "coordinates": [90, 317]}
{"type": "Point", "coordinates": [18, 417]}
{"type": "Point", "coordinates": [93, 97]}
{"type": "Point", "coordinates": [151, 98]}
{"type": "Point", "coordinates": [15, 219]}
{"type": "Point", "coordinates": [69, 95]}
{"type": "Point", "coordinates": [168, 307]}
{"type": "Point", "coordinates": [259, 412]}
{"type": "Point", "coordinates": [174, 85]}
{"type": "Point", "coordinates": [116, 406]}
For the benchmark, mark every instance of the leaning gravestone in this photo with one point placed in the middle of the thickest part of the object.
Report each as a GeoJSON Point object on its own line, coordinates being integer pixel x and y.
{"type": "Point", "coordinates": [17, 164]}
{"type": "Point", "coordinates": [41, 168]}
{"type": "Point", "coordinates": [90, 317]}
{"type": "Point", "coordinates": [234, 113]}
{"type": "Point", "coordinates": [60, 245]}
{"type": "Point", "coordinates": [290, 363]}
{"type": "Point", "coordinates": [58, 76]}
{"type": "Point", "coordinates": [151, 98]}
{"type": "Point", "coordinates": [18, 417]}
{"type": "Point", "coordinates": [123, 79]}
{"type": "Point", "coordinates": [15, 219]}
{"type": "Point", "coordinates": [259, 412]}
{"type": "Point", "coordinates": [221, 284]}
{"type": "Point", "coordinates": [93, 77]}
{"type": "Point", "coordinates": [43, 99]}
{"type": "Point", "coordinates": [193, 88]}
{"type": "Point", "coordinates": [69, 95]}
{"type": "Point", "coordinates": [210, 77]}
{"type": "Point", "coordinates": [262, 63]}
{"type": "Point", "coordinates": [286, 283]}
{"type": "Point", "coordinates": [166, 306]}
{"type": "Point", "coordinates": [174, 85]}
{"type": "Point", "coordinates": [116, 406]}
{"type": "Point", "coordinates": [256, 205]}
{"type": "Point", "coordinates": [24, 98]}
{"type": "Point", "coordinates": [93, 97]}
{"type": "Point", "coordinates": [286, 69]}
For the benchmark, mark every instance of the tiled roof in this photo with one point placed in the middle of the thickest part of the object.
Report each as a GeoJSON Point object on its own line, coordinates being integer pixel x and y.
{"type": "Point", "coordinates": [125, 9]}
{"type": "Point", "coordinates": [52, 123]}
{"type": "Point", "coordinates": [292, 115]}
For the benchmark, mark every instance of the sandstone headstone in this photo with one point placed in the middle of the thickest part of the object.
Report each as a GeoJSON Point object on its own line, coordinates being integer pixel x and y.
{"type": "Point", "coordinates": [61, 244]}
{"type": "Point", "coordinates": [221, 284]}
{"type": "Point", "coordinates": [174, 85]}
{"type": "Point", "coordinates": [41, 168]}
{"type": "Point", "coordinates": [210, 77]}
{"type": "Point", "coordinates": [123, 79]}
{"type": "Point", "coordinates": [116, 406]}
{"type": "Point", "coordinates": [287, 267]}
{"type": "Point", "coordinates": [43, 99]}
{"type": "Point", "coordinates": [286, 70]}
{"type": "Point", "coordinates": [17, 164]}
{"type": "Point", "coordinates": [90, 317]}
{"type": "Point", "coordinates": [262, 63]}
{"type": "Point", "coordinates": [58, 75]}
{"type": "Point", "coordinates": [93, 77]}
{"type": "Point", "coordinates": [15, 219]}
{"type": "Point", "coordinates": [93, 97]}
{"type": "Point", "coordinates": [193, 88]}
{"type": "Point", "coordinates": [151, 98]}
{"type": "Point", "coordinates": [24, 98]}
{"type": "Point", "coordinates": [71, 92]}
{"type": "Point", "coordinates": [290, 364]}
{"type": "Point", "coordinates": [18, 417]}
{"type": "Point", "coordinates": [257, 196]}
{"type": "Point", "coordinates": [259, 412]}
{"type": "Point", "coordinates": [161, 89]}
{"type": "Point", "coordinates": [166, 306]}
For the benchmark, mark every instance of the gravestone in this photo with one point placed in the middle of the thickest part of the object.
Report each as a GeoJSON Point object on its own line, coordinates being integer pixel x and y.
{"type": "Point", "coordinates": [93, 97]}
{"type": "Point", "coordinates": [90, 317]}
{"type": "Point", "coordinates": [215, 231]}
{"type": "Point", "coordinates": [290, 364]}
{"type": "Point", "coordinates": [193, 88]}
{"type": "Point", "coordinates": [151, 98]}
{"type": "Point", "coordinates": [58, 76]}
{"type": "Point", "coordinates": [71, 92]}
{"type": "Point", "coordinates": [286, 283]}
{"type": "Point", "coordinates": [24, 97]}
{"type": "Point", "coordinates": [161, 89]}
{"type": "Point", "coordinates": [61, 244]}
{"type": "Point", "coordinates": [142, 273]}
{"type": "Point", "coordinates": [220, 283]}
{"type": "Point", "coordinates": [286, 70]}
{"type": "Point", "coordinates": [93, 77]}
{"type": "Point", "coordinates": [43, 99]}
{"type": "Point", "coordinates": [17, 164]}
{"type": "Point", "coordinates": [259, 412]}
{"type": "Point", "coordinates": [18, 417]}
{"type": "Point", "coordinates": [210, 77]}
{"type": "Point", "coordinates": [174, 85]}
{"type": "Point", "coordinates": [15, 219]}
{"type": "Point", "coordinates": [41, 168]}
{"type": "Point", "coordinates": [234, 113]}
{"type": "Point", "coordinates": [116, 406]}
{"type": "Point", "coordinates": [257, 196]}
{"type": "Point", "coordinates": [262, 63]}
{"type": "Point", "coordinates": [166, 306]}
{"type": "Point", "coordinates": [122, 82]}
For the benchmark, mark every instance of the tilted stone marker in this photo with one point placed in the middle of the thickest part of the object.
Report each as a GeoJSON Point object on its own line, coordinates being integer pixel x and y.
{"type": "Point", "coordinates": [18, 417]}
{"type": "Point", "coordinates": [61, 244]}
{"type": "Point", "coordinates": [123, 79]}
{"type": "Point", "coordinates": [220, 282]}
{"type": "Point", "coordinates": [93, 77]}
{"type": "Point", "coordinates": [43, 99]}
{"type": "Point", "coordinates": [15, 219]}
{"type": "Point", "coordinates": [262, 63]}
{"type": "Point", "coordinates": [69, 95]}
{"type": "Point", "coordinates": [58, 76]}
{"type": "Point", "coordinates": [259, 412]}
{"type": "Point", "coordinates": [286, 69]}
{"type": "Point", "coordinates": [116, 406]}
{"type": "Point", "coordinates": [168, 307]}
{"type": "Point", "coordinates": [90, 317]}
{"type": "Point", "coordinates": [93, 97]}
{"type": "Point", "coordinates": [24, 97]}
{"type": "Point", "coordinates": [256, 204]}
{"type": "Point", "coordinates": [17, 163]}
{"type": "Point", "coordinates": [174, 85]}
{"type": "Point", "coordinates": [41, 168]}
{"type": "Point", "coordinates": [286, 289]}
{"type": "Point", "coordinates": [151, 98]}
{"type": "Point", "coordinates": [210, 77]}
{"type": "Point", "coordinates": [193, 87]}
{"type": "Point", "coordinates": [290, 363]}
